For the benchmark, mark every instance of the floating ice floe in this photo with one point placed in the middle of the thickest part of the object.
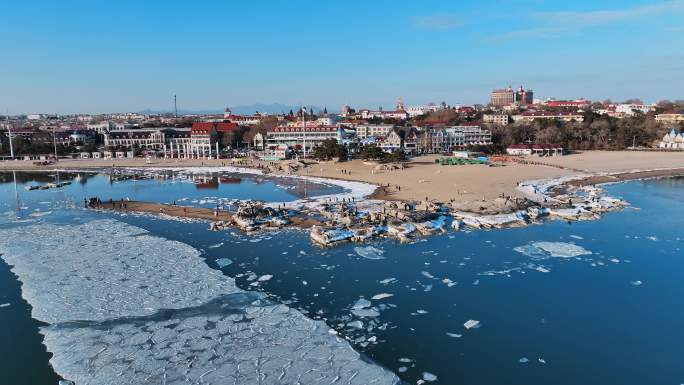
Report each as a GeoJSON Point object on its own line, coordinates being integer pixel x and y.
{"type": "Point", "coordinates": [524, 360]}
{"type": "Point", "coordinates": [223, 262]}
{"type": "Point", "coordinates": [361, 303]}
{"type": "Point", "coordinates": [4, 304]}
{"type": "Point", "coordinates": [637, 283]}
{"type": "Point", "coordinates": [265, 278]}
{"type": "Point", "coordinates": [454, 335]}
{"type": "Point", "coordinates": [427, 274]}
{"type": "Point", "coordinates": [381, 296]}
{"type": "Point", "coordinates": [163, 316]}
{"type": "Point", "coordinates": [427, 376]}
{"type": "Point", "coordinates": [544, 250]}
{"type": "Point", "coordinates": [369, 252]}
{"type": "Point", "coordinates": [472, 324]}
{"type": "Point", "coordinates": [38, 214]}
{"type": "Point", "coordinates": [215, 246]}
{"type": "Point", "coordinates": [387, 281]}
{"type": "Point", "coordinates": [366, 313]}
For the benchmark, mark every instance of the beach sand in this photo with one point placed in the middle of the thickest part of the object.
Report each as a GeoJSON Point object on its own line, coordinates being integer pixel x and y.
{"type": "Point", "coordinates": [422, 178]}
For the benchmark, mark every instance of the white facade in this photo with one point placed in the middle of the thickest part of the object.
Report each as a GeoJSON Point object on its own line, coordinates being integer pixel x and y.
{"type": "Point", "coordinates": [467, 135]}
{"type": "Point", "coordinates": [629, 109]}
{"type": "Point", "coordinates": [302, 138]}
{"type": "Point", "coordinates": [364, 131]}
{"type": "Point", "coordinates": [414, 111]}
{"type": "Point", "coordinates": [673, 140]}
{"type": "Point", "coordinates": [501, 119]}
{"type": "Point", "coordinates": [369, 114]}
{"type": "Point", "coordinates": [670, 118]}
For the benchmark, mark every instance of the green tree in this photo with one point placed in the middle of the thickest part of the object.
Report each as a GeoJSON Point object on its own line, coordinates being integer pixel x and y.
{"type": "Point", "coordinates": [330, 149]}
{"type": "Point", "coordinates": [372, 152]}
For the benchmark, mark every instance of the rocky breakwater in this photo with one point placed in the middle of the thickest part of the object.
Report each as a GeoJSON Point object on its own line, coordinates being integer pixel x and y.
{"type": "Point", "coordinates": [400, 220]}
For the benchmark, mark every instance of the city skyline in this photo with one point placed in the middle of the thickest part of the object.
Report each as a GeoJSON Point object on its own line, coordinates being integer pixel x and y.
{"type": "Point", "coordinates": [91, 58]}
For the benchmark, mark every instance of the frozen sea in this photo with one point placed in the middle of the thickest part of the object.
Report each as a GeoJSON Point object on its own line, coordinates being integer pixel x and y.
{"type": "Point", "coordinates": [564, 303]}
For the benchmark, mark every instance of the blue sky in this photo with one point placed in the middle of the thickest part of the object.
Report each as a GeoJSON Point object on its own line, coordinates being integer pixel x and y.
{"type": "Point", "coordinates": [98, 56]}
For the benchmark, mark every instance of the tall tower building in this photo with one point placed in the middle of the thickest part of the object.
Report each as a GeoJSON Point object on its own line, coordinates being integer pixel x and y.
{"type": "Point", "coordinates": [503, 97]}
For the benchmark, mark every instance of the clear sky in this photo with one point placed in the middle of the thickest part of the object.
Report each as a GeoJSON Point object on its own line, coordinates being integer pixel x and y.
{"type": "Point", "coordinates": [124, 55]}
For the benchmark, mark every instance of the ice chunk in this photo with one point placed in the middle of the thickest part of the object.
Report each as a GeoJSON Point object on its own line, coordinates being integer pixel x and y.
{"type": "Point", "coordinates": [541, 360]}
{"type": "Point", "coordinates": [428, 275]}
{"type": "Point", "coordinates": [223, 262]}
{"type": "Point", "coordinates": [421, 311]}
{"type": "Point", "coordinates": [402, 369]}
{"type": "Point", "coordinates": [429, 377]}
{"type": "Point", "coordinates": [216, 245]}
{"type": "Point", "coordinates": [361, 303]}
{"type": "Point", "coordinates": [388, 281]}
{"type": "Point", "coordinates": [544, 250]}
{"type": "Point", "coordinates": [637, 283]}
{"type": "Point", "coordinates": [265, 277]}
{"type": "Point", "coordinates": [38, 214]}
{"type": "Point", "coordinates": [369, 252]}
{"type": "Point", "coordinates": [381, 296]}
{"type": "Point", "coordinates": [363, 313]}
{"type": "Point", "coordinates": [4, 304]}
{"type": "Point", "coordinates": [355, 324]}
{"type": "Point", "coordinates": [454, 335]}
{"type": "Point", "coordinates": [524, 360]}
{"type": "Point", "coordinates": [472, 324]}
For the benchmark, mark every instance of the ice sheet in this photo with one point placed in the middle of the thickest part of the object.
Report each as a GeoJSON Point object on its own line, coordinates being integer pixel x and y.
{"type": "Point", "coordinates": [128, 307]}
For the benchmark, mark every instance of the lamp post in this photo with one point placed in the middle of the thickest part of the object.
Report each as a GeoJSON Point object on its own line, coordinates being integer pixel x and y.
{"type": "Point", "coordinates": [304, 129]}
{"type": "Point", "coordinates": [54, 142]}
{"type": "Point", "coordinates": [9, 134]}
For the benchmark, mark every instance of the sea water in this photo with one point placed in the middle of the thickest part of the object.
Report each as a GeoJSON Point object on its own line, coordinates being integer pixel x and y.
{"type": "Point", "coordinates": [564, 303]}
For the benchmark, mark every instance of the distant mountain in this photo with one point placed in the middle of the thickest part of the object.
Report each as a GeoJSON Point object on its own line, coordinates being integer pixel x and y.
{"type": "Point", "coordinates": [273, 108]}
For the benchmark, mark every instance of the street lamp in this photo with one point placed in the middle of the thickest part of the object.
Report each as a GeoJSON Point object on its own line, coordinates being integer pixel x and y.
{"type": "Point", "coordinates": [54, 141]}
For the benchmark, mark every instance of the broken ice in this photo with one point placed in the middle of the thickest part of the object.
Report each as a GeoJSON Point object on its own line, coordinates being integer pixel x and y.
{"type": "Point", "coordinates": [119, 315]}
{"type": "Point", "coordinates": [545, 250]}
{"type": "Point", "coordinates": [369, 252]}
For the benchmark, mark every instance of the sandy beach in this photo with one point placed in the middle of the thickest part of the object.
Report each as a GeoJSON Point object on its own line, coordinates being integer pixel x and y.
{"type": "Point", "coordinates": [422, 178]}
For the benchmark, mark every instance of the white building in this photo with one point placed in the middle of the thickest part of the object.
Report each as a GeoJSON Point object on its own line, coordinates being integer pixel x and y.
{"type": "Point", "coordinates": [370, 114]}
{"type": "Point", "coordinates": [631, 109]}
{"type": "Point", "coordinates": [300, 138]}
{"type": "Point", "coordinates": [673, 140]}
{"type": "Point", "coordinates": [529, 117]}
{"type": "Point", "coordinates": [151, 139]}
{"type": "Point", "coordinates": [100, 127]}
{"type": "Point", "coordinates": [500, 119]}
{"type": "Point", "coordinates": [670, 118]}
{"type": "Point", "coordinates": [537, 149]}
{"type": "Point", "coordinates": [414, 111]}
{"type": "Point", "coordinates": [466, 135]}
{"type": "Point", "coordinates": [364, 131]}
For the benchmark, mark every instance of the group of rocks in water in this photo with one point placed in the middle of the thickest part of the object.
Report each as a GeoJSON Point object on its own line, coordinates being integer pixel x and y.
{"type": "Point", "coordinates": [345, 220]}
{"type": "Point", "coordinates": [337, 220]}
